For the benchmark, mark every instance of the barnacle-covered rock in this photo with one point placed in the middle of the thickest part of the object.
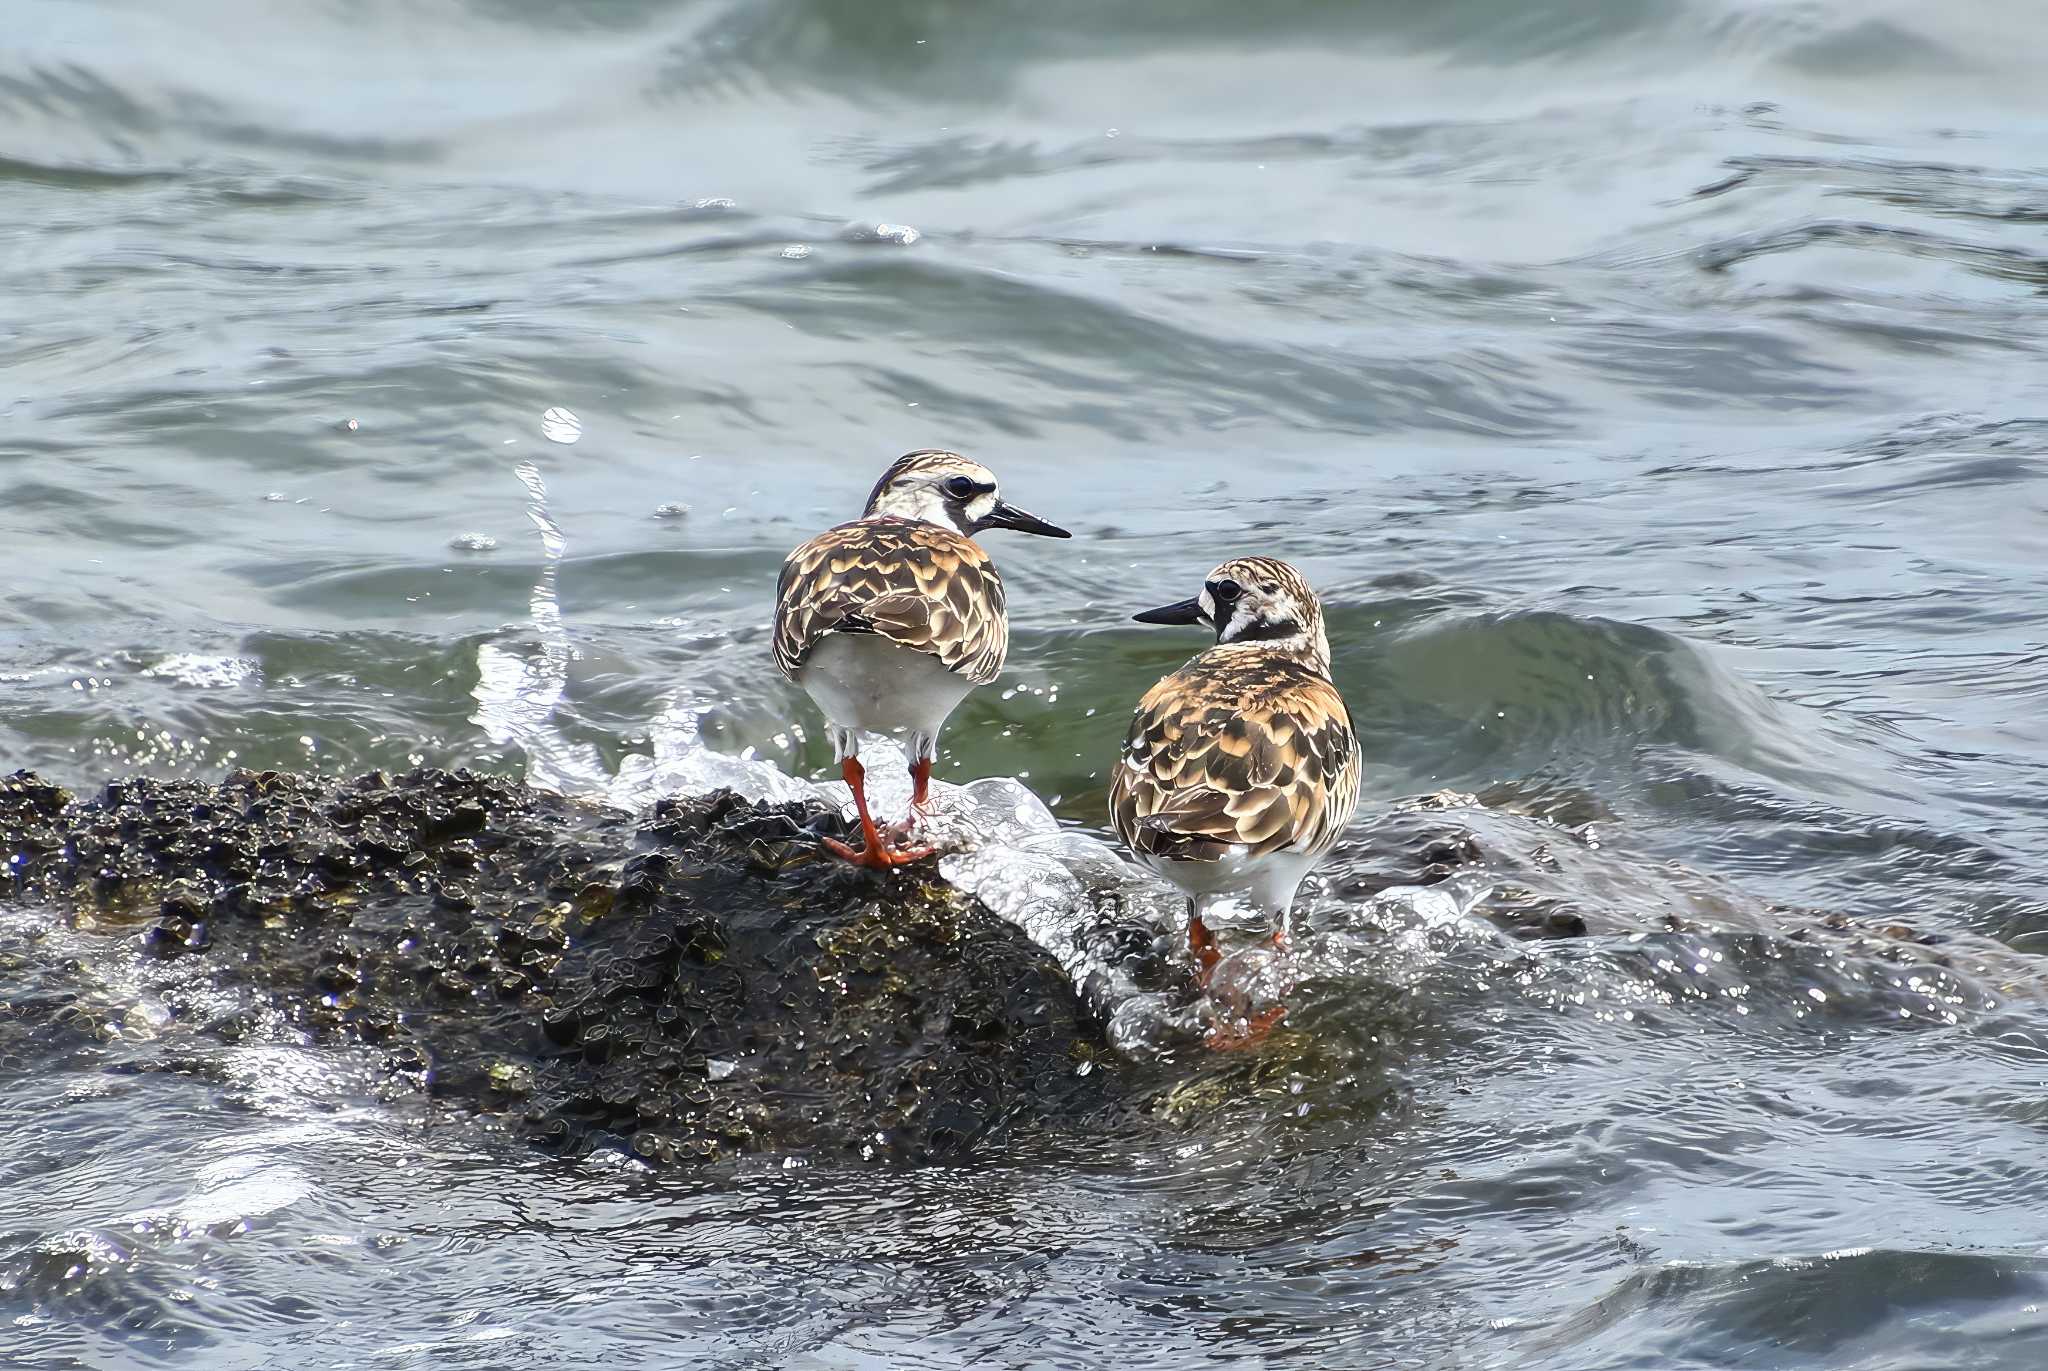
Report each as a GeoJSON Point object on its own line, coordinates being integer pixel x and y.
{"type": "Point", "coordinates": [684, 985]}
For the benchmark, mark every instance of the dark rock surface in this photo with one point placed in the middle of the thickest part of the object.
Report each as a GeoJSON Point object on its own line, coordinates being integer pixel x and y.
{"type": "Point", "coordinates": [699, 982]}
{"type": "Point", "coordinates": [687, 984]}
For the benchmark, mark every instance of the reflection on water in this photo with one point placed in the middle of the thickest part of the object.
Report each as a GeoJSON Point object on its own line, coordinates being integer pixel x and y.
{"type": "Point", "coordinates": [1655, 389]}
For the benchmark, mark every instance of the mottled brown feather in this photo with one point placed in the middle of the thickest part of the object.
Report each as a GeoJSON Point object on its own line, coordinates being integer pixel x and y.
{"type": "Point", "coordinates": [917, 584]}
{"type": "Point", "coordinates": [1243, 745]}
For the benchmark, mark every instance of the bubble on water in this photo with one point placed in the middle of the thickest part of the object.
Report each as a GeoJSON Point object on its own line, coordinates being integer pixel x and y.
{"type": "Point", "coordinates": [796, 252]}
{"type": "Point", "coordinates": [674, 509]}
{"type": "Point", "coordinates": [349, 426]}
{"type": "Point", "coordinates": [903, 235]}
{"type": "Point", "coordinates": [473, 542]}
{"type": "Point", "coordinates": [713, 202]}
{"type": "Point", "coordinates": [276, 497]}
{"type": "Point", "coordinates": [558, 425]}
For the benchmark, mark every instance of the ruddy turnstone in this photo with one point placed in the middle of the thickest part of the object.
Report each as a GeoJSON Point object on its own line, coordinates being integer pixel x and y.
{"type": "Point", "coordinates": [1240, 770]}
{"type": "Point", "coordinates": [888, 622]}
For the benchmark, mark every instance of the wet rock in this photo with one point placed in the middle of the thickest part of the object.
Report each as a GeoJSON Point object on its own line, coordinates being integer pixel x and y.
{"type": "Point", "coordinates": [1429, 840]}
{"type": "Point", "coordinates": [686, 986]}
{"type": "Point", "coordinates": [695, 982]}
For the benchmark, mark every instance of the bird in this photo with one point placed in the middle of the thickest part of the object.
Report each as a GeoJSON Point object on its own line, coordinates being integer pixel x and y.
{"type": "Point", "coordinates": [888, 622]}
{"type": "Point", "coordinates": [1241, 769]}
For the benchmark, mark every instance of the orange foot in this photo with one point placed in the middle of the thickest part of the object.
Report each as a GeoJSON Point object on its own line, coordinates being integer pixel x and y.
{"type": "Point", "coordinates": [875, 853]}
{"type": "Point", "coordinates": [1245, 1033]}
{"type": "Point", "coordinates": [877, 856]}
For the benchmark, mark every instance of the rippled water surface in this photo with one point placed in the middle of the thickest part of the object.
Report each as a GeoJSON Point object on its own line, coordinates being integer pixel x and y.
{"type": "Point", "coordinates": [1655, 390]}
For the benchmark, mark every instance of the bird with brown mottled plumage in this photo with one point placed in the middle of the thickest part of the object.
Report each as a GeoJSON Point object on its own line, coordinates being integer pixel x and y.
{"type": "Point", "coordinates": [888, 622]}
{"type": "Point", "coordinates": [1241, 769]}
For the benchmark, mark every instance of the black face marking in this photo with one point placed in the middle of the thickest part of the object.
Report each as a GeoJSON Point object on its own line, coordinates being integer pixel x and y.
{"type": "Point", "coordinates": [1265, 631]}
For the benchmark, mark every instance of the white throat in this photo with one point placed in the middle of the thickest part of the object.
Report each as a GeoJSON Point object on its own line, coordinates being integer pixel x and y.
{"type": "Point", "coordinates": [1307, 642]}
{"type": "Point", "coordinates": [928, 506]}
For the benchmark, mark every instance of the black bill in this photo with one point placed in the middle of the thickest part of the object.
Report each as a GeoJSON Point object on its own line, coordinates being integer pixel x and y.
{"type": "Point", "coordinates": [1009, 516]}
{"type": "Point", "coordinates": [1184, 612]}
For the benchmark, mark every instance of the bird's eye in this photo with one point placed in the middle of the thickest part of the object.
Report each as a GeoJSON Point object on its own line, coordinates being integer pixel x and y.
{"type": "Point", "coordinates": [962, 487]}
{"type": "Point", "coordinates": [1225, 591]}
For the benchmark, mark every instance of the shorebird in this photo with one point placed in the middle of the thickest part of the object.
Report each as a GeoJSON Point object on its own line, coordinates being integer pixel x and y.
{"type": "Point", "coordinates": [889, 621]}
{"type": "Point", "coordinates": [1241, 769]}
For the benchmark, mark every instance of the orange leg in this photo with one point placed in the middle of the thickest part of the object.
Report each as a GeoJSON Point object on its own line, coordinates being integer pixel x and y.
{"type": "Point", "coordinates": [1202, 943]}
{"type": "Point", "coordinates": [1250, 1032]}
{"type": "Point", "coordinates": [873, 852]}
{"type": "Point", "coordinates": [920, 798]}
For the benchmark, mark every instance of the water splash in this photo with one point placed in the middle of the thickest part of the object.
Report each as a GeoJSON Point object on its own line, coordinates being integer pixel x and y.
{"type": "Point", "coordinates": [517, 693]}
{"type": "Point", "coordinates": [1102, 918]}
{"type": "Point", "coordinates": [683, 764]}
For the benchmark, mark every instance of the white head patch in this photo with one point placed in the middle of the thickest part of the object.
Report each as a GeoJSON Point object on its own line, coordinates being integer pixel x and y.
{"type": "Point", "coordinates": [941, 488]}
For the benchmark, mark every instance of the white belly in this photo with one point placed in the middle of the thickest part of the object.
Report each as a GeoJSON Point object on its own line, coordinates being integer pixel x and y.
{"type": "Point", "coordinates": [866, 684]}
{"type": "Point", "coordinates": [1266, 882]}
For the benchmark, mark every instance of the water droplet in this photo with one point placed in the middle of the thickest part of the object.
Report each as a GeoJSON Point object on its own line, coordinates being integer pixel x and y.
{"type": "Point", "coordinates": [473, 542]}
{"type": "Point", "coordinates": [796, 252]}
{"type": "Point", "coordinates": [560, 426]}
{"type": "Point", "coordinates": [674, 509]}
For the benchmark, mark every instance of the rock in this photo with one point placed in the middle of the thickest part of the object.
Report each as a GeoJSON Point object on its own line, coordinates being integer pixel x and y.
{"type": "Point", "coordinates": [697, 981]}
{"type": "Point", "coordinates": [688, 985]}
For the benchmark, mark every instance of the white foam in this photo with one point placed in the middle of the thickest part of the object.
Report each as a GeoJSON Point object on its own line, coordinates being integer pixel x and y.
{"type": "Point", "coordinates": [205, 671]}
{"type": "Point", "coordinates": [682, 764]}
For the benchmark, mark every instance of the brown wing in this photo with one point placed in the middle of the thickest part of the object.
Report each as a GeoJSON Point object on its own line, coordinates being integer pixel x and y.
{"type": "Point", "coordinates": [1240, 747]}
{"type": "Point", "coordinates": [922, 586]}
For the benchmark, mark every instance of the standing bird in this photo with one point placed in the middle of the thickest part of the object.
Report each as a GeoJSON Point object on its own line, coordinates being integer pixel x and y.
{"type": "Point", "coordinates": [1240, 769]}
{"type": "Point", "coordinates": [888, 622]}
